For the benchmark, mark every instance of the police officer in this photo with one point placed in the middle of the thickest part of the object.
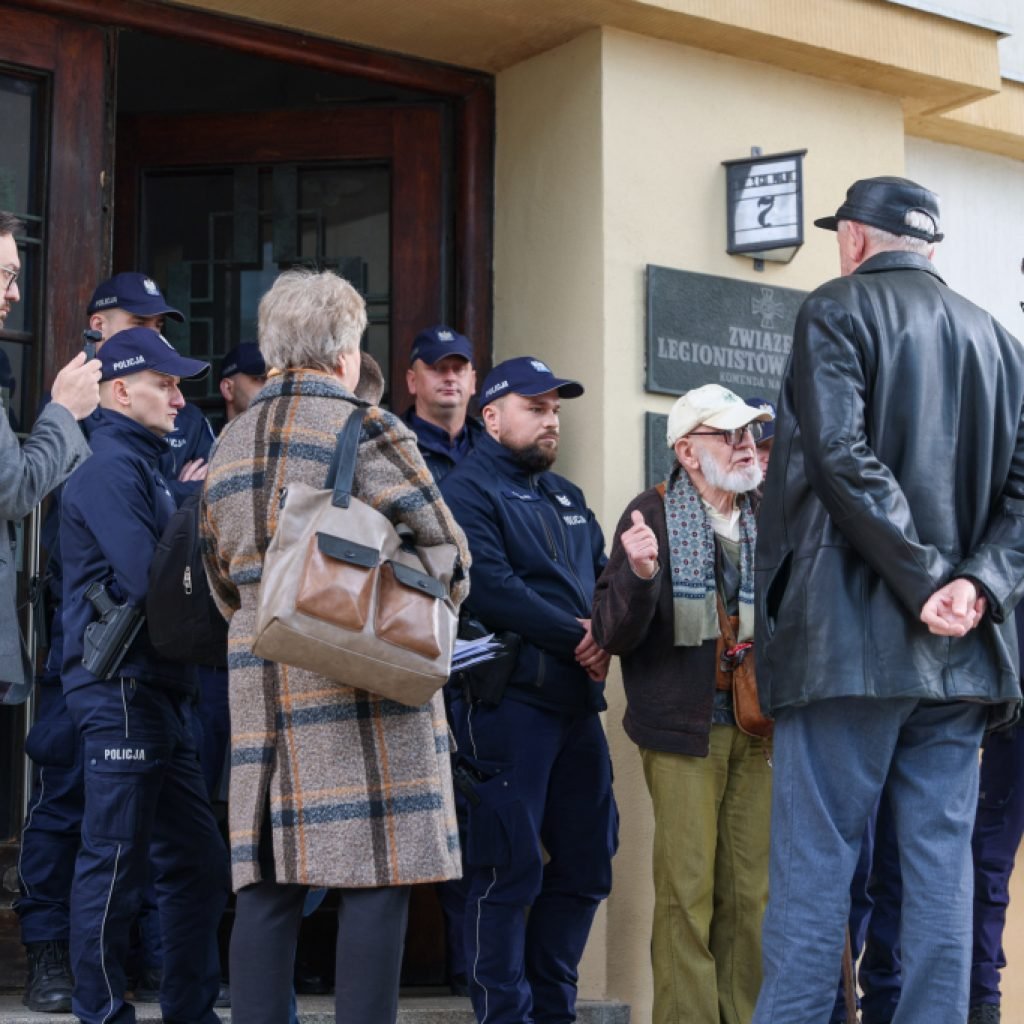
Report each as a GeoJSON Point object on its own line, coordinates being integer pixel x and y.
{"type": "Point", "coordinates": [144, 794]}
{"type": "Point", "coordinates": [441, 380]}
{"type": "Point", "coordinates": [132, 299]}
{"type": "Point", "coordinates": [533, 766]}
{"type": "Point", "coordinates": [50, 836]}
{"type": "Point", "coordinates": [242, 376]}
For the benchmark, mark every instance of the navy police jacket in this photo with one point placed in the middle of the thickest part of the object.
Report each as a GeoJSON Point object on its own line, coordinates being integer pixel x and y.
{"type": "Point", "coordinates": [537, 552]}
{"type": "Point", "coordinates": [436, 447]}
{"type": "Point", "coordinates": [110, 521]}
{"type": "Point", "coordinates": [191, 439]}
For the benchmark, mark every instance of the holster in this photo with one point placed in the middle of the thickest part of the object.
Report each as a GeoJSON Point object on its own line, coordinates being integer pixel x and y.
{"type": "Point", "coordinates": [487, 680]}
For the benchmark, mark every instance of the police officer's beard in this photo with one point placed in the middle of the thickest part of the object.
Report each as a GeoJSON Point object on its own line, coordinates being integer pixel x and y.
{"type": "Point", "coordinates": [533, 458]}
{"type": "Point", "coordinates": [733, 481]}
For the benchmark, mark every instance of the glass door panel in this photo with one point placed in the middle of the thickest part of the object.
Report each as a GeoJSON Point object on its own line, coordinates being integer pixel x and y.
{"type": "Point", "coordinates": [216, 239]}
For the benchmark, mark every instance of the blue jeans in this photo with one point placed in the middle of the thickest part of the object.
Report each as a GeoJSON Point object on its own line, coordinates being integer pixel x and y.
{"type": "Point", "coordinates": [832, 760]}
{"type": "Point", "coordinates": [876, 899]}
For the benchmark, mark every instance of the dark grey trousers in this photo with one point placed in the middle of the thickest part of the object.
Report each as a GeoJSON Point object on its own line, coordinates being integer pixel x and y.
{"type": "Point", "coordinates": [371, 936]}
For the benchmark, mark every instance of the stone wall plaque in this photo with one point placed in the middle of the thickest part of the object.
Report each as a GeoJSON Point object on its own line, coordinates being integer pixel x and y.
{"type": "Point", "coordinates": [658, 457]}
{"type": "Point", "coordinates": [703, 329]}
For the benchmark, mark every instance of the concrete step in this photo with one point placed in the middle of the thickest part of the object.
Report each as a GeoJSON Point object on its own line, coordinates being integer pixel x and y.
{"type": "Point", "coordinates": [320, 1010]}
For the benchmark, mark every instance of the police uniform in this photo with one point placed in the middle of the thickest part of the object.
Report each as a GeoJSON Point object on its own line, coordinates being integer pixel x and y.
{"type": "Point", "coordinates": [441, 452]}
{"type": "Point", "coordinates": [535, 768]}
{"type": "Point", "coordinates": [51, 832]}
{"type": "Point", "coordinates": [145, 800]}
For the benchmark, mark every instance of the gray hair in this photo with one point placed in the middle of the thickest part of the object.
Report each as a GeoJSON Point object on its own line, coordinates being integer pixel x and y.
{"type": "Point", "coordinates": [917, 219]}
{"type": "Point", "coordinates": [309, 319]}
{"type": "Point", "coordinates": [9, 224]}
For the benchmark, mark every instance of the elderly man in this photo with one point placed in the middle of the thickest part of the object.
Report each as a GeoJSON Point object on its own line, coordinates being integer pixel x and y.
{"type": "Point", "coordinates": [890, 556]}
{"type": "Point", "coordinates": [533, 763]}
{"type": "Point", "coordinates": [657, 606]}
{"type": "Point", "coordinates": [27, 474]}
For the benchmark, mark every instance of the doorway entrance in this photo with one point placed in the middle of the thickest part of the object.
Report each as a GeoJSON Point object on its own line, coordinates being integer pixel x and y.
{"type": "Point", "coordinates": [215, 206]}
{"type": "Point", "coordinates": [213, 153]}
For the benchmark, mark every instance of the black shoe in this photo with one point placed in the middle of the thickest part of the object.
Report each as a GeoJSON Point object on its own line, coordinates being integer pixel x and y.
{"type": "Point", "coordinates": [986, 1013]}
{"type": "Point", "coordinates": [147, 988]}
{"type": "Point", "coordinates": [49, 985]}
{"type": "Point", "coordinates": [309, 983]}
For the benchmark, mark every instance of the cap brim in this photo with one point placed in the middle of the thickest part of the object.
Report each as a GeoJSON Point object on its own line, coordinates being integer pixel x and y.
{"type": "Point", "coordinates": [735, 416]}
{"type": "Point", "coordinates": [565, 389]}
{"type": "Point", "coordinates": [152, 309]}
{"type": "Point", "coordinates": [180, 366]}
{"type": "Point", "coordinates": [828, 223]}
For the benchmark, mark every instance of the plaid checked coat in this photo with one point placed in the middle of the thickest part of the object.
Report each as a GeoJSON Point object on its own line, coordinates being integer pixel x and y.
{"type": "Point", "coordinates": [358, 789]}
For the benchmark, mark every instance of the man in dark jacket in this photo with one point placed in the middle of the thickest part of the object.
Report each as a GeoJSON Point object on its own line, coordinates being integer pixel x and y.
{"type": "Point", "coordinates": [890, 556]}
{"type": "Point", "coordinates": [656, 605]}
{"type": "Point", "coordinates": [145, 800]}
{"type": "Point", "coordinates": [533, 763]}
{"type": "Point", "coordinates": [441, 380]}
{"type": "Point", "coordinates": [50, 838]}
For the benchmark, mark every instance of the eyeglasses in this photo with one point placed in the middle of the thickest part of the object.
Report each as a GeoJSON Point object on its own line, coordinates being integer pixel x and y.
{"type": "Point", "coordinates": [732, 437]}
{"type": "Point", "coordinates": [9, 277]}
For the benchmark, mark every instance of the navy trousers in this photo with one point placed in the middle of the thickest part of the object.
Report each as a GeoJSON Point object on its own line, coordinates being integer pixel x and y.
{"type": "Point", "coordinates": [998, 828]}
{"type": "Point", "coordinates": [146, 808]}
{"type": "Point", "coordinates": [49, 841]}
{"type": "Point", "coordinates": [541, 782]}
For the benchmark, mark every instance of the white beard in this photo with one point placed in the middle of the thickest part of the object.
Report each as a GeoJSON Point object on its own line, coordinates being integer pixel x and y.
{"type": "Point", "coordinates": [733, 481]}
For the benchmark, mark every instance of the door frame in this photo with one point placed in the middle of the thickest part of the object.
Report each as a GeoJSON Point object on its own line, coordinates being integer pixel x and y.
{"type": "Point", "coordinates": [470, 93]}
{"type": "Point", "coordinates": [79, 151]}
{"type": "Point", "coordinates": [408, 137]}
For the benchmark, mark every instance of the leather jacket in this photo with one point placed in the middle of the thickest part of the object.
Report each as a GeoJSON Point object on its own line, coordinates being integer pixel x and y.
{"type": "Point", "coordinates": [898, 465]}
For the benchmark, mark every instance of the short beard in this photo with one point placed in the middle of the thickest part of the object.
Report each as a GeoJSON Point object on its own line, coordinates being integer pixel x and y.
{"type": "Point", "coordinates": [533, 458]}
{"type": "Point", "coordinates": [734, 481]}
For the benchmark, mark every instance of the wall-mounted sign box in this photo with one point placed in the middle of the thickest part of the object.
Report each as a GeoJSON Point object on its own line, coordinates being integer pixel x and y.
{"type": "Point", "coordinates": [715, 330]}
{"type": "Point", "coordinates": [765, 206]}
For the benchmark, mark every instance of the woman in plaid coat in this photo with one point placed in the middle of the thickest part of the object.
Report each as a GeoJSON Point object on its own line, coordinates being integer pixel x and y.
{"type": "Point", "coordinates": [330, 785]}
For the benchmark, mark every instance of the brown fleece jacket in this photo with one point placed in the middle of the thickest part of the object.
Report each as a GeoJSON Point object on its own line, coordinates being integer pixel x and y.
{"type": "Point", "coordinates": [670, 691]}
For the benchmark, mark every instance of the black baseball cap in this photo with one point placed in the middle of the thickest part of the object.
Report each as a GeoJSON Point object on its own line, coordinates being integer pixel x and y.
{"type": "Point", "coordinates": [434, 343]}
{"type": "Point", "coordinates": [133, 292]}
{"type": "Point", "coordinates": [138, 349]}
{"type": "Point", "coordinates": [526, 375]}
{"type": "Point", "coordinates": [245, 357]}
{"type": "Point", "coordinates": [884, 203]}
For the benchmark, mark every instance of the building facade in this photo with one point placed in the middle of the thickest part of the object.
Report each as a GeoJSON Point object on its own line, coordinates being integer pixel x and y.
{"type": "Point", "coordinates": [514, 168]}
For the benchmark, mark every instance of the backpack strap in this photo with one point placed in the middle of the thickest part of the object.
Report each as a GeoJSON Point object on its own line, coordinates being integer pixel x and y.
{"type": "Point", "coordinates": [343, 463]}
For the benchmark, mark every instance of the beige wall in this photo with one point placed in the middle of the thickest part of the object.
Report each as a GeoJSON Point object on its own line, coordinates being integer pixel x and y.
{"type": "Point", "coordinates": [609, 155]}
{"type": "Point", "coordinates": [980, 192]}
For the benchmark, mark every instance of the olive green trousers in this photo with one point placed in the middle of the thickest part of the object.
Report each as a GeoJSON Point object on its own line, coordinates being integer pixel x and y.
{"type": "Point", "coordinates": [711, 822]}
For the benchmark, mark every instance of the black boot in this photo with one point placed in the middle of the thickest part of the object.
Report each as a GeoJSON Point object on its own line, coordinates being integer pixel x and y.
{"type": "Point", "coordinates": [49, 985]}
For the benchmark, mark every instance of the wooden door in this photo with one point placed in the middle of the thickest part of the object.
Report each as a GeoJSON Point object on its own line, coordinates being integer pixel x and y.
{"type": "Point", "coordinates": [214, 206]}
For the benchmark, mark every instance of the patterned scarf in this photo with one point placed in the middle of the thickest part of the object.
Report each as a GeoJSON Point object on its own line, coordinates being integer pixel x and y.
{"type": "Point", "coordinates": [691, 542]}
